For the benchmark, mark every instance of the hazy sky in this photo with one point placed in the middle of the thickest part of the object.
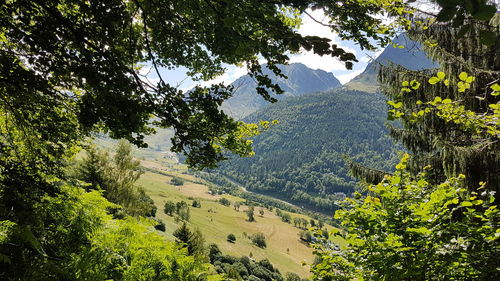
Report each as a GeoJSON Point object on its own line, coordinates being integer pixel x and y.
{"type": "Point", "coordinates": [309, 27]}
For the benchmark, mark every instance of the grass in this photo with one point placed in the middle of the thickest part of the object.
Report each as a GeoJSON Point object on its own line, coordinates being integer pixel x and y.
{"type": "Point", "coordinates": [221, 221]}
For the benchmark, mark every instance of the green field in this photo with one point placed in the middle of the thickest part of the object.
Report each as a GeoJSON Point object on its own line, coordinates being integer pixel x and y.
{"type": "Point", "coordinates": [220, 221]}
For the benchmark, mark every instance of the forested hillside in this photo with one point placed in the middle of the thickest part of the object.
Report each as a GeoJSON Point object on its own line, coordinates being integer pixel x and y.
{"type": "Point", "coordinates": [299, 80]}
{"type": "Point", "coordinates": [301, 158]}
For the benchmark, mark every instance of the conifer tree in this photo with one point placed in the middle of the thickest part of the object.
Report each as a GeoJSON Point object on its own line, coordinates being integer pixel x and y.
{"type": "Point", "coordinates": [438, 107]}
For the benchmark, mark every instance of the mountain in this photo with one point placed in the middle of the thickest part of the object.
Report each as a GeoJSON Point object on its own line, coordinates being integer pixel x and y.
{"type": "Point", "coordinates": [300, 80]}
{"type": "Point", "coordinates": [300, 160]}
{"type": "Point", "coordinates": [410, 56]}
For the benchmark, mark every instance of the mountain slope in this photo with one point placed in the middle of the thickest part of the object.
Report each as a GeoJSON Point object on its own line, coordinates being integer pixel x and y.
{"type": "Point", "coordinates": [410, 56]}
{"type": "Point", "coordinates": [301, 80]}
{"type": "Point", "coordinates": [301, 159]}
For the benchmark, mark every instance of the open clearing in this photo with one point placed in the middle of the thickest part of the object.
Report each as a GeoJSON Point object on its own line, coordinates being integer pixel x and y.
{"type": "Point", "coordinates": [216, 221]}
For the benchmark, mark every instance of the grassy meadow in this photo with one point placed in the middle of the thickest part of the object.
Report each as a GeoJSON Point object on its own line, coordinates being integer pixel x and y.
{"type": "Point", "coordinates": [284, 249]}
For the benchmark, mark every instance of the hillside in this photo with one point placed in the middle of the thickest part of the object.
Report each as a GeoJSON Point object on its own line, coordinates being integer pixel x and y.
{"type": "Point", "coordinates": [284, 248]}
{"type": "Point", "coordinates": [300, 80]}
{"type": "Point", "coordinates": [301, 158]}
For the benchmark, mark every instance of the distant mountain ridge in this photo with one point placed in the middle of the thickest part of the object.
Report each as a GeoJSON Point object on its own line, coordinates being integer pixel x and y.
{"type": "Point", "coordinates": [301, 80]}
{"type": "Point", "coordinates": [410, 56]}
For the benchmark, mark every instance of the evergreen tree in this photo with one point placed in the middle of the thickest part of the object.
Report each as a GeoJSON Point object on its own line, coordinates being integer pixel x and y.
{"type": "Point", "coordinates": [95, 168]}
{"type": "Point", "coordinates": [438, 107]}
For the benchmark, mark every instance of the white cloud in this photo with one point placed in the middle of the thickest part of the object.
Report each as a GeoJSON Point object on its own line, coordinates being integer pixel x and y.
{"type": "Point", "coordinates": [344, 78]}
{"type": "Point", "coordinates": [232, 73]}
{"type": "Point", "coordinates": [310, 27]}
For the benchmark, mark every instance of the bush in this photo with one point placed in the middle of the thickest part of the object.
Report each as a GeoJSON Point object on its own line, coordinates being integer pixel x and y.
{"type": "Point", "coordinates": [231, 238]}
{"type": "Point", "coordinates": [177, 181]}
{"type": "Point", "coordinates": [305, 236]}
{"type": "Point", "coordinates": [259, 240]}
{"type": "Point", "coordinates": [169, 208]}
{"type": "Point", "coordinates": [196, 203]}
{"type": "Point", "coordinates": [160, 226]}
{"type": "Point", "coordinates": [225, 201]}
{"type": "Point", "coordinates": [290, 276]}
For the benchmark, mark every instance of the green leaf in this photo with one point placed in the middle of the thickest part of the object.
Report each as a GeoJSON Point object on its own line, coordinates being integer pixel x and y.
{"type": "Point", "coordinates": [415, 84]}
{"type": "Point", "coordinates": [446, 14]}
{"type": "Point", "coordinates": [466, 204]}
{"type": "Point", "coordinates": [464, 29]}
{"type": "Point", "coordinates": [488, 38]}
{"type": "Point", "coordinates": [441, 75]}
{"type": "Point", "coordinates": [463, 76]}
{"type": "Point", "coordinates": [433, 80]}
{"type": "Point", "coordinates": [485, 12]}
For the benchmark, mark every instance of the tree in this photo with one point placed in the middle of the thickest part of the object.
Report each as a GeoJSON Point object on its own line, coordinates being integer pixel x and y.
{"type": "Point", "coordinates": [249, 212]}
{"type": "Point", "coordinates": [304, 222]}
{"type": "Point", "coordinates": [285, 217]}
{"type": "Point", "coordinates": [305, 236]}
{"type": "Point", "coordinates": [453, 227]}
{"type": "Point", "coordinates": [72, 69]}
{"type": "Point", "coordinates": [312, 223]}
{"type": "Point", "coordinates": [196, 203]}
{"type": "Point", "coordinates": [259, 240]}
{"type": "Point", "coordinates": [94, 168]}
{"type": "Point", "coordinates": [117, 178]}
{"type": "Point", "coordinates": [231, 238]}
{"type": "Point", "coordinates": [160, 226]}
{"type": "Point", "coordinates": [224, 201]}
{"type": "Point", "coordinates": [193, 240]}
{"type": "Point", "coordinates": [182, 211]}
{"type": "Point", "coordinates": [296, 221]}
{"type": "Point", "coordinates": [177, 181]}
{"type": "Point", "coordinates": [237, 205]}
{"type": "Point", "coordinates": [261, 212]}
{"type": "Point", "coordinates": [290, 276]}
{"type": "Point", "coordinates": [169, 208]}
{"type": "Point", "coordinates": [441, 201]}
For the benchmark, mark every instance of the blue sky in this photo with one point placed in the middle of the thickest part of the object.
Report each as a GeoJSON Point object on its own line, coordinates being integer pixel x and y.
{"type": "Point", "coordinates": [178, 77]}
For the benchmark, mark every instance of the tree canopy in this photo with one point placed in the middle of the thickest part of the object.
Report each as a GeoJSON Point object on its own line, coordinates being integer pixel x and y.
{"type": "Point", "coordinates": [71, 68]}
{"type": "Point", "coordinates": [86, 57]}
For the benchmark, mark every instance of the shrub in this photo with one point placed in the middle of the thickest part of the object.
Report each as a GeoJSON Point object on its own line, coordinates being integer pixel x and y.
{"type": "Point", "coordinates": [160, 226]}
{"type": "Point", "coordinates": [259, 240]}
{"type": "Point", "coordinates": [225, 201]}
{"type": "Point", "coordinates": [196, 203]}
{"type": "Point", "coordinates": [177, 181]}
{"type": "Point", "coordinates": [231, 238]}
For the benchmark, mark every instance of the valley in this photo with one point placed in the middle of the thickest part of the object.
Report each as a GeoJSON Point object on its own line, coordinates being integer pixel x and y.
{"type": "Point", "coordinates": [284, 248]}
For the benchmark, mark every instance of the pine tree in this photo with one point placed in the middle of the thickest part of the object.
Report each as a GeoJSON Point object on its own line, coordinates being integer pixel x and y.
{"type": "Point", "coordinates": [450, 144]}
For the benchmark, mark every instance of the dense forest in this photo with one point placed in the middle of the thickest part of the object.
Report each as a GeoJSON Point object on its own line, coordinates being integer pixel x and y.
{"type": "Point", "coordinates": [303, 158]}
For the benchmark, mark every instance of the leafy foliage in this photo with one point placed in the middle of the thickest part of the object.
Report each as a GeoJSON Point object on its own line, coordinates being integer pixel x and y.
{"type": "Point", "coordinates": [177, 181]}
{"type": "Point", "coordinates": [243, 268]}
{"type": "Point", "coordinates": [231, 238]}
{"type": "Point", "coordinates": [259, 240]}
{"type": "Point", "coordinates": [250, 213]}
{"type": "Point", "coordinates": [410, 229]}
{"type": "Point", "coordinates": [117, 178]}
{"type": "Point", "coordinates": [192, 240]}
